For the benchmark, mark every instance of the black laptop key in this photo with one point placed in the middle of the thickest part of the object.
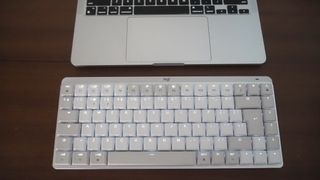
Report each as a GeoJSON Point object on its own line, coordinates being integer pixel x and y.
{"type": "Point", "coordinates": [232, 9]}
{"type": "Point", "coordinates": [221, 11]}
{"type": "Point", "coordinates": [235, 1]}
{"type": "Point", "coordinates": [183, 2]}
{"type": "Point", "coordinates": [173, 2]}
{"type": "Point", "coordinates": [113, 10]}
{"type": "Point", "coordinates": [98, 2]}
{"type": "Point", "coordinates": [161, 2]}
{"type": "Point", "coordinates": [154, 10]}
{"type": "Point", "coordinates": [196, 9]}
{"type": "Point", "coordinates": [216, 1]}
{"type": "Point", "coordinates": [195, 2]}
{"type": "Point", "coordinates": [206, 2]}
{"type": "Point", "coordinates": [209, 9]}
{"type": "Point", "coordinates": [243, 11]}
{"type": "Point", "coordinates": [102, 10]}
{"type": "Point", "coordinates": [91, 11]}
{"type": "Point", "coordinates": [126, 10]}
{"type": "Point", "coordinates": [116, 2]}
{"type": "Point", "coordinates": [138, 2]}
{"type": "Point", "coordinates": [127, 2]}
{"type": "Point", "coordinates": [150, 2]}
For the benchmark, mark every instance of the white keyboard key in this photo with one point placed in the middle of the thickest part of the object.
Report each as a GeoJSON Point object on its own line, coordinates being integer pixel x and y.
{"type": "Point", "coordinates": [240, 89]}
{"type": "Point", "coordinates": [106, 103]}
{"type": "Point", "coordinates": [115, 130]}
{"type": "Point", "coordinates": [129, 129]}
{"type": "Point", "coordinates": [164, 144]}
{"type": "Point", "coordinates": [68, 116]}
{"type": "Point", "coordinates": [214, 102]}
{"type": "Point", "coordinates": [246, 157]}
{"type": "Point", "coordinates": [203, 158]}
{"type": "Point", "coordinates": [239, 143]}
{"type": "Point", "coordinates": [222, 116]}
{"type": "Point", "coordinates": [213, 129]}
{"type": "Point", "coordinates": [80, 90]}
{"type": "Point", "coordinates": [271, 128]}
{"type": "Point", "coordinates": [260, 157]}
{"type": "Point", "coordinates": [63, 143]}
{"type": "Point", "coordinates": [187, 102]}
{"type": "Point", "coordinates": [120, 90]}
{"type": "Point", "coordinates": [213, 90]}
{"type": "Point", "coordinates": [267, 102]}
{"type": "Point", "coordinates": [206, 143]}
{"type": "Point", "coordinates": [160, 102]}
{"type": "Point", "coordinates": [180, 116]}
{"type": "Point", "coordinates": [133, 90]}
{"type": "Point", "coordinates": [93, 103]}
{"type": "Point", "coordinates": [101, 130]}
{"type": "Point", "coordinates": [227, 102]}
{"type": "Point", "coordinates": [226, 129]}
{"type": "Point", "coordinates": [143, 129]}
{"type": "Point", "coordinates": [157, 129]}
{"type": "Point", "coordinates": [98, 158]}
{"type": "Point", "coordinates": [167, 115]}
{"type": "Point", "coordinates": [173, 90]}
{"type": "Point", "coordinates": [187, 90]}
{"type": "Point", "coordinates": [133, 103]}
{"type": "Point", "coordinates": [235, 115]}
{"type": "Point", "coordinates": [226, 90]}
{"type": "Point", "coordinates": [126, 116]}
{"type": "Point", "coordinates": [112, 116]}
{"type": "Point", "coordinates": [79, 144]}
{"type": "Point", "coordinates": [174, 102]}
{"type": "Point", "coordinates": [66, 102]}
{"type": "Point", "coordinates": [274, 157]}
{"type": "Point", "coordinates": [87, 130]}
{"type": "Point", "coordinates": [107, 90]}
{"type": "Point", "coordinates": [80, 158]}
{"type": "Point", "coordinates": [120, 103]}
{"type": "Point", "coordinates": [201, 103]}
{"type": "Point", "coordinates": [185, 129]}
{"type": "Point", "coordinates": [220, 143]}
{"type": "Point", "coordinates": [208, 116]}
{"type": "Point", "coordinates": [232, 158]}
{"type": "Point", "coordinates": [135, 144]}
{"type": "Point", "coordinates": [218, 158]}
{"type": "Point", "coordinates": [139, 116]}
{"type": "Point", "coordinates": [273, 142]}
{"type": "Point", "coordinates": [93, 90]}
{"type": "Point", "coordinates": [146, 102]}
{"type": "Point", "coordinates": [66, 90]}
{"type": "Point", "coordinates": [200, 90]}
{"type": "Point", "coordinates": [171, 129]}
{"type": "Point", "coordinates": [62, 158]}
{"type": "Point", "coordinates": [247, 102]}
{"type": "Point", "coordinates": [258, 143]}
{"type": "Point", "coordinates": [99, 116]}
{"type": "Point", "coordinates": [153, 116]}
{"type": "Point", "coordinates": [253, 118]}
{"type": "Point", "coordinates": [240, 129]}
{"type": "Point", "coordinates": [68, 129]}
{"type": "Point", "coordinates": [198, 129]}
{"type": "Point", "coordinates": [93, 144]}
{"type": "Point", "coordinates": [149, 143]}
{"type": "Point", "coordinates": [122, 144]}
{"type": "Point", "coordinates": [178, 143]}
{"type": "Point", "coordinates": [107, 144]}
{"type": "Point", "coordinates": [269, 115]}
{"type": "Point", "coordinates": [253, 90]}
{"type": "Point", "coordinates": [160, 90]}
{"type": "Point", "coordinates": [192, 143]}
{"type": "Point", "coordinates": [194, 115]}
{"type": "Point", "coordinates": [146, 90]}
{"type": "Point", "coordinates": [266, 89]}
{"type": "Point", "coordinates": [79, 103]}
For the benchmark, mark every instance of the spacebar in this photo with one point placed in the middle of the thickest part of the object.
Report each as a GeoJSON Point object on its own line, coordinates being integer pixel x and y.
{"type": "Point", "coordinates": [151, 158]}
{"type": "Point", "coordinates": [140, 10]}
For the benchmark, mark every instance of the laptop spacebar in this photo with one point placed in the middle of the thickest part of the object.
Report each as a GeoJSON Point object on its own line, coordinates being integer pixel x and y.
{"type": "Point", "coordinates": [140, 10]}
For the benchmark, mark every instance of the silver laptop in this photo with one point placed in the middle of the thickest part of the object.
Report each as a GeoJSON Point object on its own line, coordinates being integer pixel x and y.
{"type": "Point", "coordinates": [167, 32]}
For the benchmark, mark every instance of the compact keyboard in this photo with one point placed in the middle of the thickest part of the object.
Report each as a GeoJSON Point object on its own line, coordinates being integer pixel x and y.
{"type": "Point", "coordinates": [167, 122]}
{"type": "Point", "coordinates": [166, 7]}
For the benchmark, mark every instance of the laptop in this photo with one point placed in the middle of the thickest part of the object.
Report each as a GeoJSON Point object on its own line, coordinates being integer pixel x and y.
{"type": "Point", "coordinates": [167, 32]}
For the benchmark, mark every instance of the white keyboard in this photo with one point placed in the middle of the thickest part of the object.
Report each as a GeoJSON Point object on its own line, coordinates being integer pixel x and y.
{"type": "Point", "coordinates": [167, 123]}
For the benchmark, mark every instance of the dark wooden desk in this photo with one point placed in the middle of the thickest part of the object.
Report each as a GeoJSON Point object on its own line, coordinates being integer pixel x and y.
{"type": "Point", "coordinates": [35, 47]}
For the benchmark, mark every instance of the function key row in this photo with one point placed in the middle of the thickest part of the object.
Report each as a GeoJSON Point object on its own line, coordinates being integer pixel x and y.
{"type": "Point", "coordinates": [167, 90]}
{"type": "Point", "coordinates": [164, 2]}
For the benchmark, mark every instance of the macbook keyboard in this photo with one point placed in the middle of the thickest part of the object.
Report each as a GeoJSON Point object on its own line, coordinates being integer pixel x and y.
{"type": "Point", "coordinates": [167, 122]}
{"type": "Point", "coordinates": [165, 7]}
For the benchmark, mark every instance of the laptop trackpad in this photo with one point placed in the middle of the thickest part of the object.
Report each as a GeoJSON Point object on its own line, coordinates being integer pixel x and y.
{"type": "Point", "coordinates": [168, 40]}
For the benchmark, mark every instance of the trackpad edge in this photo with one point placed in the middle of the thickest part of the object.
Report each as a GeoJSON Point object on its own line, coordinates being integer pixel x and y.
{"type": "Point", "coordinates": [168, 40]}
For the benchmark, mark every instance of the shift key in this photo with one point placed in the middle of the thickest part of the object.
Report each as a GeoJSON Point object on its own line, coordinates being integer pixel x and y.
{"type": "Point", "coordinates": [248, 102]}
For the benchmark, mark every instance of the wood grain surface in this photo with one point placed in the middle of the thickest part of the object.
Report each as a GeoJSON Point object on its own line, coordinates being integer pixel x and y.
{"type": "Point", "coordinates": [35, 47]}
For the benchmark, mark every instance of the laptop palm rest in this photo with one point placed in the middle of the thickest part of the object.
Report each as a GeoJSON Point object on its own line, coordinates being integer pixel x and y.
{"type": "Point", "coordinates": [168, 40]}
